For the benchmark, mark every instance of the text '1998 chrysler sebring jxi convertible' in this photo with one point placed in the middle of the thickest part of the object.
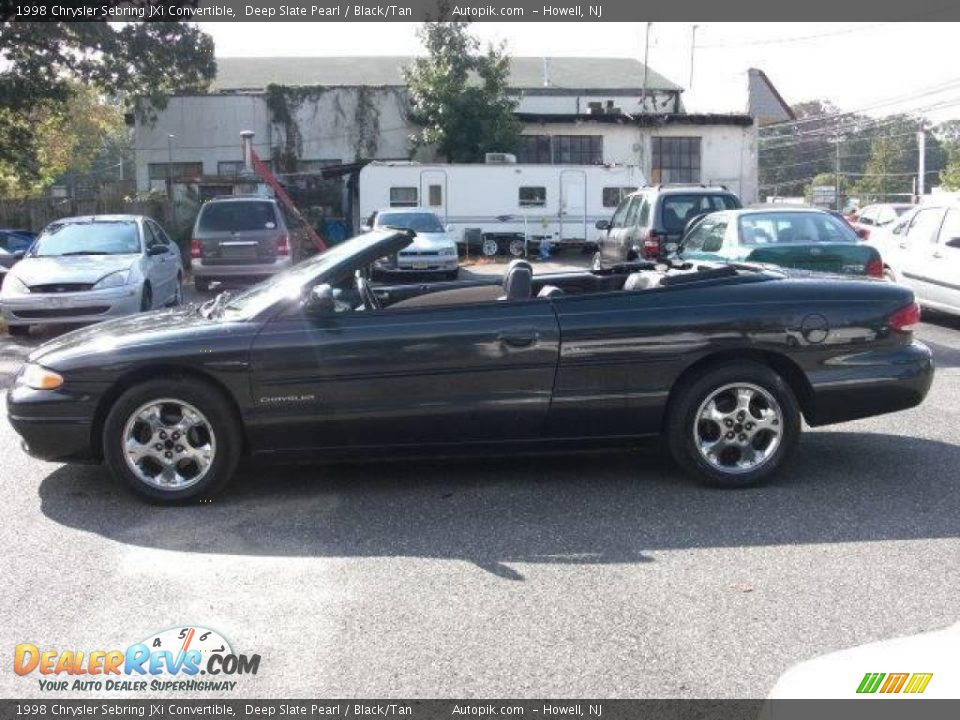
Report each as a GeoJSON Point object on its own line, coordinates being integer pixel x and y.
{"type": "Point", "coordinates": [724, 359]}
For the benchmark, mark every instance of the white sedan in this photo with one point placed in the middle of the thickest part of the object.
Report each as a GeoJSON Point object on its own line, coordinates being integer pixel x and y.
{"type": "Point", "coordinates": [88, 269]}
{"type": "Point", "coordinates": [432, 251]}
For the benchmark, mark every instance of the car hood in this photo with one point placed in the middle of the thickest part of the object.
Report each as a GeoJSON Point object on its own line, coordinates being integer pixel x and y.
{"type": "Point", "coordinates": [71, 268]}
{"type": "Point", "coordinates": [107, 338]}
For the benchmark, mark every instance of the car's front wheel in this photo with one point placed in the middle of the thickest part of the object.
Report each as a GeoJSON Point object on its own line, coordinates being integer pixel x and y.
{"type": "Point", "coordinates": [172, 440]}
{"type": "Point", "coordinates": [733, 425]}
{"type": "Point", "coordinates": [18, 330]}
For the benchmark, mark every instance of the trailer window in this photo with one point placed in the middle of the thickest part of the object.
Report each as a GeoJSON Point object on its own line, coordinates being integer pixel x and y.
{"type": "Point", "coordinates": [531, 196]}
{"type": "Point", "coordinates": [403, 197]}
{"type": "Point", "coordinates": [435, 195]}
{"type": "Point", "coordinates": [613, 196]}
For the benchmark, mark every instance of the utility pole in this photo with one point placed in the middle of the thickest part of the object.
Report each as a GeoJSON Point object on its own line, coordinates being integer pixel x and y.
{"type": "Point", "coordinates": [646, 57]}
{"type": "Point", "coordinates": [693, 47]}
{"type": "Point", "coordinates": [836, 190]}
{"type": "Point", "coordinates": [921, 162]}
{"type": "Point", "coordinates": [170, 138]}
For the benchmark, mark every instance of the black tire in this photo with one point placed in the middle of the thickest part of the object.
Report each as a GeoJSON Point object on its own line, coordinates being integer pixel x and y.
{"type": "Point", "coordinates": [453, 274]}
{"type": "Point", "coordinates": [201, 284]}
{"type": "Point", "coordinates": [205, 398]}
{"type": "Point", "coordinates": [682, 422]}
{"type": "Point", "coordinates": [146, 298]}
{"type": "Point", "coordinates": [18, 330]}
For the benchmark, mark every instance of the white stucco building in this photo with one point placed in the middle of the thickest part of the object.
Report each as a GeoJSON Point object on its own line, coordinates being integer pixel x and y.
{"type": "Point", "coordinates": [313, 113]}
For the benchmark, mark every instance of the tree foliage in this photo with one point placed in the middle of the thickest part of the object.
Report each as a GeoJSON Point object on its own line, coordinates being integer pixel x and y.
{"type": "Point", "coordinates": [43, 65]}
{"type": "Point", "coordinates": [459, 95]}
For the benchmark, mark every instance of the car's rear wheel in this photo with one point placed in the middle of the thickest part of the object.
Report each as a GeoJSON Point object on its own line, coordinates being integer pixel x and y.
{"type": "Point", "coordinates": [172, 440]}
{"type": "Point", "coordinates": [733, 425]}
{"type": "Point", "coordinates": [517, 247]}
{"type": "Point", "coordinates": [18, 330]}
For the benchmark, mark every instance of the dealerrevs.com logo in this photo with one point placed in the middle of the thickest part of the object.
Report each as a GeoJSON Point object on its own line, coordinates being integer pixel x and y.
{"type": "Point", "coordinates": [182, 659]}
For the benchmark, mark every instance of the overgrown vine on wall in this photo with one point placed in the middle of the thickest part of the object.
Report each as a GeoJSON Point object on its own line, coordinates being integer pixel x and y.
{"type": "Point", "coordinates": [366, 124]}
{"type": "Point", "coordinates": [283, 102]}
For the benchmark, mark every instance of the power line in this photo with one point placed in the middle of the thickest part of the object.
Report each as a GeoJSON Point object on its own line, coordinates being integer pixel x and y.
{"type": "Point", "coordinates": [797, 38]}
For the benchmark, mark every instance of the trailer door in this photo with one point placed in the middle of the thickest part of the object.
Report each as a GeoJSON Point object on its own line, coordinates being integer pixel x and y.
{"type": "Point", "coordinates": [433, 192]}
{"type": "Point", "coordinates": [573, 205]}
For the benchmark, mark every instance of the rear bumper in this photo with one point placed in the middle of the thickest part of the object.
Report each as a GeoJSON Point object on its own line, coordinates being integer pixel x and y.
{"type": "Point", "coordinates": [224, 270]}
{"type": "Point", "coordinates": [870, 383]}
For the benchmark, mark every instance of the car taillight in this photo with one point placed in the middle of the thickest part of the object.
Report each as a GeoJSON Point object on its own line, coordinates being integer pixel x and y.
{"type": "Point", "coordinates": [651, 246]}
{"type": "Point", "coordinates": [875, 268]}
{"type": "Point", "coordinates": [283, 244]}
{"type": "Point", "coordinates": [905, 319]}
{"type": "Point", "coordinates": [194, 248]}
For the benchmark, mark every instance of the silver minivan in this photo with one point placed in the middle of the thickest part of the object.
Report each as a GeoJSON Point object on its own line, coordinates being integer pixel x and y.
{"type": "Point", "coordinates": [238, 238]}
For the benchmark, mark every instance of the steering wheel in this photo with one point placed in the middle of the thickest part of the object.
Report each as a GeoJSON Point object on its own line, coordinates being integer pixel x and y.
{"type": "Point", "coordinates": [369, 297]}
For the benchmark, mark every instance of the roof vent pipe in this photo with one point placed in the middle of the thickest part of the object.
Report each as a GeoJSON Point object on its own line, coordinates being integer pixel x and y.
{"type": "Point", "coordinates": [546, 72]}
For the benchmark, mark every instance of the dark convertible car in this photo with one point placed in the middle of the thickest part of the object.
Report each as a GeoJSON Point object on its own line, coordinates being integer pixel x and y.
{"type": "Point", "coordinates": [723, 359]}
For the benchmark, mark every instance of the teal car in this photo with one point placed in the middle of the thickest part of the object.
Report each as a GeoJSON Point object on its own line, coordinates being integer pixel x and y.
{"type": "Point", "coordinates": [804, 238]}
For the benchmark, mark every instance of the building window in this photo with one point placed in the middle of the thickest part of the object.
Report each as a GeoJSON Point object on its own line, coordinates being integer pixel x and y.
{"type": "Point", "coordinates": [315, 166]}
{"type": "Point", "coordinates": [534, 150]}
{"type": "Point", "coordinates": [578, 149]}
{"type": "Point", "coordinates": [675, 160]}
{"type": "Point", "coordinates": [177, 170]}
{"type": "Point", "coordinates": [613, 196]}
{"type": "Point", "coordinates": [533, 196]}
{"type": "Point", "coordinates": [435, 195]}
{"type": "Point", "coordinates": [403, 197]}
{"type": "Point", "coordinates": [229, 168]}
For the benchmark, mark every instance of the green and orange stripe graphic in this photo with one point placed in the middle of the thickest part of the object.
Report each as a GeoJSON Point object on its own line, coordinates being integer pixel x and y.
{"type": "Point", "coordinates": [894, 683]}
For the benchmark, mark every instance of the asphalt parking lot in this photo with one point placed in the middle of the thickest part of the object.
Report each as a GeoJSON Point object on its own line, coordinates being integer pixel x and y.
{"type": "Point", "coordinates": [605, 575]}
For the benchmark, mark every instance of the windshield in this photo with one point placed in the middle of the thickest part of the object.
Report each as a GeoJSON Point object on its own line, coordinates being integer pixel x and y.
{"type": "Point", "coordinates": [237, 216]}
{"type": "Point", "coordinates": [789, 228]}
{"type": "Point", "coordinates": [12, 242]}
{"type": "Point", "coordinates": [105, 237]}
{"type": "Point", "coordinates": [418, 222]}
{"type": "Point", "coordinates": [290, 283]}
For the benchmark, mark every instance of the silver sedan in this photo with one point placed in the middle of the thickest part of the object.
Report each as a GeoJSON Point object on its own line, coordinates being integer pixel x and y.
{"type": "Point", "coordinates": [89, 269]}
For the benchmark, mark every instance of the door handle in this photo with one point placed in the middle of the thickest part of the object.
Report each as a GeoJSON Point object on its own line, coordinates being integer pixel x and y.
{"type": "Point", "coordinates": [937, 254]}
{"type": "Point", "coordinates": [519, 339]}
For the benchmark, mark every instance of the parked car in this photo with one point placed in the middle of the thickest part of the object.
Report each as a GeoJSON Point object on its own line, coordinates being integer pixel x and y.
{"type": "Point", "coordinates": [13, 245]}
{"type": "Point", "coordinates": [88, 269]}
{"type": "Point", "coordinates": [798, 237]}
{"type": "Point", "coordinates": [723, 359]}
{"type": "Point", "coordinates": [432, 250]}
{"type": "Point", "coordinates": [238, 238]}
{"type": "Point", "coordinates": [923, 253]}
{"type": "Point", "coordinates": [647, 220]}
{"type": "Point", "coordinates": [874, 218]}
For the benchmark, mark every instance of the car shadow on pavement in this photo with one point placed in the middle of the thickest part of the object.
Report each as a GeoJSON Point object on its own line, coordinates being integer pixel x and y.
{"type": "Point", "coordinates": [612, 508]}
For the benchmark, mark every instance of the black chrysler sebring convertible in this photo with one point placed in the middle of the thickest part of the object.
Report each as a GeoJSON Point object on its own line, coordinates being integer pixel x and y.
{"type": "Point", "coordinates": [724, 360]}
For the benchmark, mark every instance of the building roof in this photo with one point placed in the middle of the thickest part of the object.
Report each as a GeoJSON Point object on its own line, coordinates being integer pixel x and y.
{"type": "Point", "coordinates": [764, 100]}
{"type": "Point", "coordinates": [564, 73]}
{"type": "Point", "coordinates": [643, 120]}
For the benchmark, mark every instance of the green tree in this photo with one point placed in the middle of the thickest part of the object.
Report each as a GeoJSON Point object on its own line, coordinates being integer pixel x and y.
{"type": "Point", "coordinates": [43, 64]}
{"type": "Point", "coordinates": [459, 95]}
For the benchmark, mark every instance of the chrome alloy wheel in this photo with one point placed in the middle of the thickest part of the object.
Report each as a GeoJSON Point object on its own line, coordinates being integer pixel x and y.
{"type": "Point", "coordinates": [168, 444]}
{"type": "Point", "coordinates": [738, 428]}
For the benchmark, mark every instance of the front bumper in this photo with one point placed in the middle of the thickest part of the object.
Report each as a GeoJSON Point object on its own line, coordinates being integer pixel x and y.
{"type": "Point", "coordinates": [77, 307]}
{"type": "Point", "coordinates": [54, 425]}
{"type": "Point", "coordinates": [870, 383]}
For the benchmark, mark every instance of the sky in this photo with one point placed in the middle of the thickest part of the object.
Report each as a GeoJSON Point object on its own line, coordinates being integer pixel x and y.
{"type": "Point", "coordinates": [855, 65]}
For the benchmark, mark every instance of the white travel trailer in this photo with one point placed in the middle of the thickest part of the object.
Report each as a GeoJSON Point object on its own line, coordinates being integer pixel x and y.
{"type": "Point", "coordinates": [501, 206]}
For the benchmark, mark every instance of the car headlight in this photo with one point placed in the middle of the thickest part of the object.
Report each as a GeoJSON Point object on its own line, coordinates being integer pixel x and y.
{"type": "Point", "coordinates": [113, 280]}
{"type": "Point", "coordinates": [12, 285]}
{"type": "Point", "coordinates": [39, 378]}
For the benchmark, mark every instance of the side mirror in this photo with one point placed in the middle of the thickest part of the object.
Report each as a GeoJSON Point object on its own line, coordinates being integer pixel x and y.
{"type": "Point", "coordinates": [19, 254]}
{"type": "Point", "coordinates": [157, 250]}
{"type": "Point", "coordinates": [954, 242]}
{"type": "Point", "coordinates": [320, 300]}
{"type": "Point", "coordinates": [603, 225]}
